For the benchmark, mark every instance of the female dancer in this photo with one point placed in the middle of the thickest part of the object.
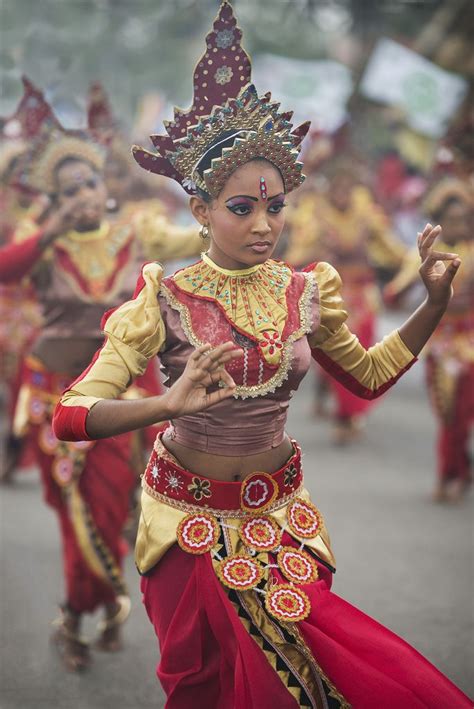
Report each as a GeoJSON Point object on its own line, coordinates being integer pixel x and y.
{"type": "Point", "coordinates": [236, 561]}
{"type": "Point", "coordinates": [450, 353]}
{"type": "Point", "coordinates": [81, 265]}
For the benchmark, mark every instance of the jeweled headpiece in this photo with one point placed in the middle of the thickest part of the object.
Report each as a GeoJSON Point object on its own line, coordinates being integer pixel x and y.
{"type": "Point", "coordinates": [31, 118]}
{"type": "Point", "coordinates": [225, 102]}
{"type": "Point", "coordinates": [32, 114]}
{"type": "Point", "coordinates": [53, 145]}
{"type": "Point", "coordinates": [450, 188]}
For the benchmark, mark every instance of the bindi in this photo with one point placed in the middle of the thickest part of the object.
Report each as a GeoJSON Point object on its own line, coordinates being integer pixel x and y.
{"type": "Point", "coordinates": [263, 189]}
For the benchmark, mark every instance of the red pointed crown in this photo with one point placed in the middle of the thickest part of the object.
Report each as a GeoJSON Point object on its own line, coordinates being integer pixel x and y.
{"type": "Point", "coordinates": [32, 115]}
{"type": "Point", "coordinates": [225, 101]}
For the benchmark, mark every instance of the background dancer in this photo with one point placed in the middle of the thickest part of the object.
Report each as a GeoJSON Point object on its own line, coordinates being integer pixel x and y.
{"type": "Point", "coordinates": [81, 266]}
{"type": "Point", "coordinates": [450, 352]}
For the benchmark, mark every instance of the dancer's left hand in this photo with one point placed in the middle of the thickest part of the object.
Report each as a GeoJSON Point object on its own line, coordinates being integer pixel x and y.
{"type": "Point", "coordinates": [436, 275]}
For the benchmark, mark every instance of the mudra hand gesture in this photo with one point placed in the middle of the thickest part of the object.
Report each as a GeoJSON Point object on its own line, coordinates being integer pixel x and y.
{"type": "Point", "coordinates": [436, 276]}
{"type": "Point", "coordinates": [61, 218]}
{"type": "Point", "coordinates": [204, 369]}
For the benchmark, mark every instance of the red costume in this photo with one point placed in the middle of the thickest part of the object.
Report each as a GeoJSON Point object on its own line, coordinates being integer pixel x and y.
{"type": "Point", "coordinates": [449, 364]}
{"type": "Point", "coordinates": [237, 574]}
{"type": "Point", "coordinates": [77, 278]}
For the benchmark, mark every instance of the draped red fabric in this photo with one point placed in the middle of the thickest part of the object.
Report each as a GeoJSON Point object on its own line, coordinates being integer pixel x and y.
{"type": "Point", "coordinates": [209, 660]}
{"type": "Point", "coordinates": [105, 485]}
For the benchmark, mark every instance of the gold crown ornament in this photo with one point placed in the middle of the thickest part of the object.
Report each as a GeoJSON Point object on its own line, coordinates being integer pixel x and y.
{"type": "Point", "coordinates": [225, 104]}
{"type": "Point", "coordinates": [59, 146]}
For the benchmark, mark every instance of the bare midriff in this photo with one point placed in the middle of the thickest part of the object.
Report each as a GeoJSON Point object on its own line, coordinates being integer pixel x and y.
{"type": "Point", "coordinates": [68, 357]}
{"type": "Point", "coordinates": [229, 468]}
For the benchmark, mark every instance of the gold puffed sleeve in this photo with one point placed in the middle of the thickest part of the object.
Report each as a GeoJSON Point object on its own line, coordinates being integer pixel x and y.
{"type": "Point", "coordinates": [332, 314]}
{"type": "Point", "coordinates": [161, 239]}
{"type": "Point", "coordinates": [135, 333]}
{"type": "Point", "coordinates": [367, 373]}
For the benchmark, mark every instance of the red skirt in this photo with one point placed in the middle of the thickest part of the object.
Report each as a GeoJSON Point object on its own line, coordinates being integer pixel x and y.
{"type": "Point", "coordinates": [228, 644]}
{"type": "Point", "coordinates": [89, 485]}
{"type": "Point", "coordinates": [210, 659]}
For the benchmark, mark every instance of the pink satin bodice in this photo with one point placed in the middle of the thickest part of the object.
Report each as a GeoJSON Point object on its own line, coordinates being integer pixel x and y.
{"type": "Point", "coordinates": [232, 427]}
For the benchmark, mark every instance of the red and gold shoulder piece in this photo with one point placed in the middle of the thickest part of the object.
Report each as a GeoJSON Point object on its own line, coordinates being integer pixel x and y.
{"type": "Point", "coordinates": [264, 309]}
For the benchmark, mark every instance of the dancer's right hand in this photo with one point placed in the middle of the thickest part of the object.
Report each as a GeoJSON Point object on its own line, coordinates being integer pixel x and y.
{"type": "Point", "coordinates": [61, 219]}
{"type": "Point", "coordinates": [204, 369]}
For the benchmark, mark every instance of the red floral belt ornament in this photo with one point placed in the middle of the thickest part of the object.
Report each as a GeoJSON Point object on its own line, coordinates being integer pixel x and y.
{"type": "Point", "coordinates": [261, 492]}
{"type": "Point", "coordinates": [257, 493]}
{"type": "Point", "coordinates": [260, 533]}
{"type": "Point", "coordinates": [240, 572]}
{"type": "Point", "coordinates": [304, 519]}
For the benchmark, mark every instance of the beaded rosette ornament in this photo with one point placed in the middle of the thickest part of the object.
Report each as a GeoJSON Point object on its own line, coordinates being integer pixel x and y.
{"type": "Point", "coordinates": [227, 104]}
{"type": "Point", "coordinates": [246, 570]}
{"type": "Point", "coordinates": [261, 535]}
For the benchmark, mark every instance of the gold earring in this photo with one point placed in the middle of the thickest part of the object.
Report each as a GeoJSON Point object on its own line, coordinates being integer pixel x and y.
{"type": "Point", "coordinates": [204, 232]}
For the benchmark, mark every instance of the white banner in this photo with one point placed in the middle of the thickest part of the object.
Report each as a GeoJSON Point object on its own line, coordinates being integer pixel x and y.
{"type": "Point", "coordinates": [315, 90]}
{"type": "Point", "coordinates": [427, 94]}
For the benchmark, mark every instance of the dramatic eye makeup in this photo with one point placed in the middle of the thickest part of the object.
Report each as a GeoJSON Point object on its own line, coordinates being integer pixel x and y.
{"type": "Point", "coordinates": [243, 204]}
{"type": "Point", "coordinates": [239, 205]}
{"type": "Point", "coordinates": [276, 204]}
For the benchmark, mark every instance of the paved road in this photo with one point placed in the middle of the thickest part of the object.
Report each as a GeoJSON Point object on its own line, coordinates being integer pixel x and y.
{"type": "Point", "coordinates": [401, 559]}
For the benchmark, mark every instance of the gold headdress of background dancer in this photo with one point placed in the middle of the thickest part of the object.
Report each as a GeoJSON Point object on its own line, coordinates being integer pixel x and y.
{"type": "Point", "coordinates": [52, 145]}
{"type": "Point", "coordinates": [225, 102]}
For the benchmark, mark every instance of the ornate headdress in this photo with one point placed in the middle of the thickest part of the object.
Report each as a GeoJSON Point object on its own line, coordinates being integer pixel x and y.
{"type": "Point", "coordinates": [32, 116]}
{"type": "Point", "coordinates": [44, 142]}
{"type": "Point", "coordinates": [225, 102]}
{"type": "Point", "coordinates": [61, 145]}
